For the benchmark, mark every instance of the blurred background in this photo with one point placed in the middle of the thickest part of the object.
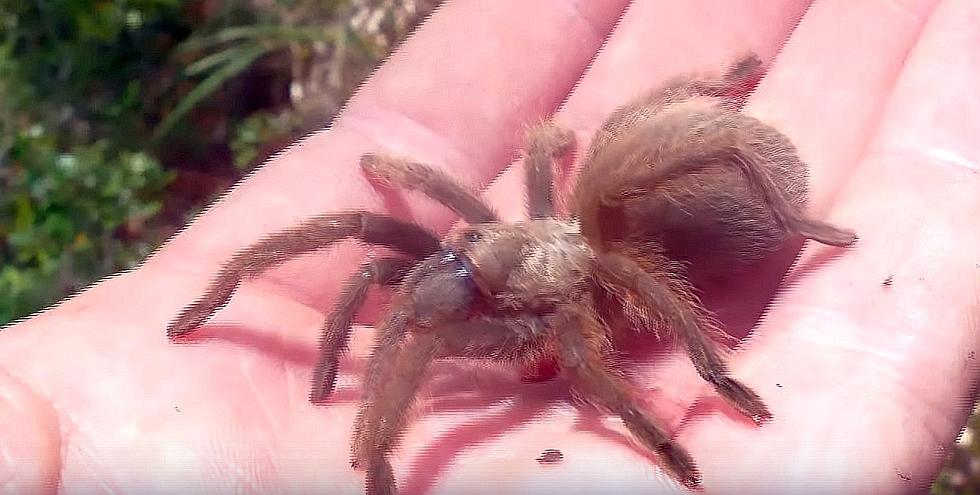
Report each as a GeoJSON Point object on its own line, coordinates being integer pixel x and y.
{"type": "Point", "coordinates": [121, 119]}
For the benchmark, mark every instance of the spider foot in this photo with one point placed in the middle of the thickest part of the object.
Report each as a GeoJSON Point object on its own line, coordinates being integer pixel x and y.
{"type": "Point", "coordinates": [825, 233]}
{"type": "Point", "coordinates": [680, 464]}
{"type": "Point", "coordinates": [187, 321]}
{"type": "Point", "coordinates": [322, 385]}
{"type": "Point", "coordinates": [393, 172]}
{"type": "Point", "coordinates": [744, 399]}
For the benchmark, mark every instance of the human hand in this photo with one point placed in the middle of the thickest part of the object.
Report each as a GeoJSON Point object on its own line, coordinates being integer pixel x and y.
{"type": "Point", "coordinates": [866, 380]}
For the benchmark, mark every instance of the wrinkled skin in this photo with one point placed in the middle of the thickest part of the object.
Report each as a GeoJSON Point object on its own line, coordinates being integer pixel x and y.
{"type": "Point", "coordinates": [866, 382]}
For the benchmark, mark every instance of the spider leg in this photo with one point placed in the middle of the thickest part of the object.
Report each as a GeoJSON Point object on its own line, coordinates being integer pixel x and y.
{"type": "Point", "coordinates": [394, 375]}
{"type": "Point", "coordinates": [546, 142]}
{"type": "Point", "coordinates": [487, 337]}
{"type": "Point", "coordinates": [396, 372]}
{"type": "Point", "coordinates": [432, 182]}
{"type": "Point", "coordinates": [337, 330]}
{"type": "Point", "coordinates": [741, 78]}
{"type": "Point", "coordinates": [733, 88]}
{"type": "Point", "coordinates": [581, 340]}
{"type": "Point", "coordinates": [311, 235]}
{"type": "Point", "coordinates": [437, 291]}
{"type": "Point", "coordinates": [725, 147]}
{"type": "Point", "coordinates": [659, 293]}
{"type": "Point", "coordinates": [431, 316]}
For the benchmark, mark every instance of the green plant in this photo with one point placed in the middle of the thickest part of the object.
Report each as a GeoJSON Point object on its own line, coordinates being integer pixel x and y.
{"type": "Point", "coordinates": [102, 96]}
{"type": "Point", "coordinates": [76, 185]}
{"type": "Point", "coordinates": [222, 54]}
{"type": "Point", "coordinates": [235, 49]}
{"type": "Point", "coordinates": [961, 473]}
{"type": "Point", "coordinates": [261, 131]}
{"type": "Point", "coordinates": [70, 217]}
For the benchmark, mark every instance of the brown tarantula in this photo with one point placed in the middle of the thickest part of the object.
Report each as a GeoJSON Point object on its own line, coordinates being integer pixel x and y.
{"type": "Point", "coordinates": [676, 181]}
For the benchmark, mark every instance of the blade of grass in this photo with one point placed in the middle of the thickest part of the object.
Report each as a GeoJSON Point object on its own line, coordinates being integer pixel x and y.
{"type": "Point", "coordinates": [278, 32]}
{"type": "Point", "coordinates": [227, 55]}
{"type": "Point", "coordinates": [204, 89]}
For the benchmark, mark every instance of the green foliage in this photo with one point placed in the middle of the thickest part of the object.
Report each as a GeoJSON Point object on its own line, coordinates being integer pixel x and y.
{"type": "Point", "coordinates": [255, 133]}
{"type": "Point", "coordinates": [961, 473]}
{"type": "Point", "coordinates": [63, 213]}
{"type": "Point", "coordinates": [236, 49]}
{"type": "Point", "coordinates": [78, 61]}
{"type": "Point", "coordinates": [100, 97]}
{"type": "Point", "coordinates": [76, 184]}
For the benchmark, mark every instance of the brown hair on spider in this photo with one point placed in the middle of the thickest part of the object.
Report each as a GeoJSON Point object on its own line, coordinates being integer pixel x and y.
{"type": "Point", "coordinates": [675, 184]}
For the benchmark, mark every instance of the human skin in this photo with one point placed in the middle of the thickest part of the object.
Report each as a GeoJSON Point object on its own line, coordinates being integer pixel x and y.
{"type": "Point", "coordinates": [868, 381]}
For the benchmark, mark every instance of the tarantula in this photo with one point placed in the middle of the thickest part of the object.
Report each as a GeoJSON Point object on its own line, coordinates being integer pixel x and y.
{"type": "Point", "coordinates": [675, 182]}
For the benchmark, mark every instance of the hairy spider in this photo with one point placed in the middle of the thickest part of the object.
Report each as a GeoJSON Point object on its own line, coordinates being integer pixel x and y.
{"type": "Point", "coordinates": [677, 181]}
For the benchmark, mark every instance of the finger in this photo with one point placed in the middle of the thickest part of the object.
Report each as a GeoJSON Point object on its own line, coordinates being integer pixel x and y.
{"type": "Point", "coordinates": [885, 337]}
{"type": "Point", "coordinates": [829, 86]}
{"type": "Point", "coordinates": [654, 41]}
{"type": "Point", "coordinates": [826, 93]}
{"type": "Point", "coordinates": [456, 96]}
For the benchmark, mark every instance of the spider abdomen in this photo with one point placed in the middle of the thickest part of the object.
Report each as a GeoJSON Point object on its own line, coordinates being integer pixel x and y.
{"type": "Point", "coordinates": [711, 217]}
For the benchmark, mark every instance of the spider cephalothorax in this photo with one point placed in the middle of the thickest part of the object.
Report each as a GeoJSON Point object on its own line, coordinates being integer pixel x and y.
{"type": "Point", "coordinates": [527, 266]}
{"type": "Point", "coordinates": [675, 184]}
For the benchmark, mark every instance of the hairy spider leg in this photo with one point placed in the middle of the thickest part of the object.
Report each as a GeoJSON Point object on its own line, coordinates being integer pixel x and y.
{"type": "Point", "coordinates": [582, 340]}
{"type": "Point", "coordinates": [658, 294]}
{"type": "Point", "coordinates": [734, 87]}
{"type": "Point", "coordinates": [316, 233]}
{"type": "Point", "coordinates": [397, 370]}
{"type": "Point", "coordinates": [394, 375]}
{"type": "Point", "coordinates": [410, 175]}
{"type": "Point", "coordinates": [337, 330]}
{"type": "Point", "coordinates": [546, 143]}
{"type": "Point", "coordinates": [437, 291]}
{"type": "Point", "coordinates": [493, 337]}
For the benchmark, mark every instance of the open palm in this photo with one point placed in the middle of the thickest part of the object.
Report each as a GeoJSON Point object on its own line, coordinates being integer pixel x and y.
{"type": "Point", "coordinates": [865, 357]}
